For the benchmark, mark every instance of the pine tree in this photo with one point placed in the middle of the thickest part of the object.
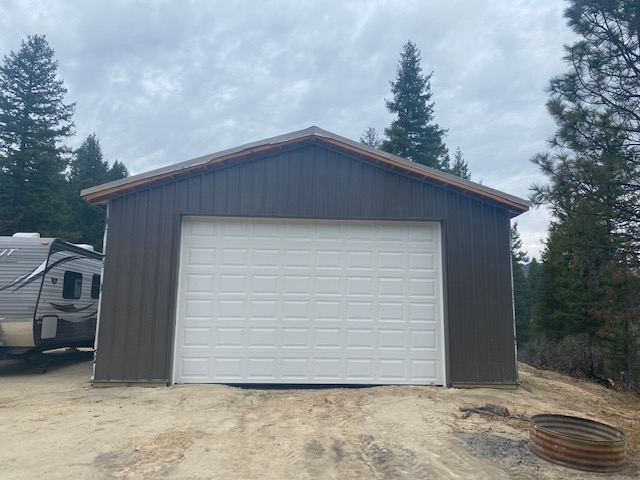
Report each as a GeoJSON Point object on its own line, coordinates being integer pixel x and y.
{"type": "Point", "coordinates": [533, 281]}
{"type": "Point", "coordinates": [589, 276]}
{"type": "Point", "coordinates": [33, 121]}
{"type": "Point", "coordinates": [412, 134]}
{"type": "Point", "coordinates": [116, 172]}
{"type": "Point", "coordinates": [459, 167]}
{"type": "Point", "coordinates": [521, 294]}
{"type": "Point", "coordinates": [582, 279]}
{"type": "Point", "coordinates": [596, 109]}
{"type": "Point", "coordinates": [87, 169]}
{"type": "Point", "coordinates": [371, 138]}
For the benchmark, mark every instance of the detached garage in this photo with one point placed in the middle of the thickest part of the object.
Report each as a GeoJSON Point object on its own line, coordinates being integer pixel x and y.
{"type": "Point", "coordinates": [305, 259]}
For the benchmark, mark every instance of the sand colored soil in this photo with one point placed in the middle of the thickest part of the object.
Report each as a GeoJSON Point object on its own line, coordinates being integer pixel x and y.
{"type": "Point", "coordinates": [56, 425]}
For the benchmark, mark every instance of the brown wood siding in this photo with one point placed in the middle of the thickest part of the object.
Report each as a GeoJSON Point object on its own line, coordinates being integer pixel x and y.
{"type": "Point", "coordinates": [135, 341]}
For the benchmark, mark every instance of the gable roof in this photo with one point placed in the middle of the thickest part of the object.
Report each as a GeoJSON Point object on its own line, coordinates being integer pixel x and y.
{"type": "Point", "coordinates": [101, 194]}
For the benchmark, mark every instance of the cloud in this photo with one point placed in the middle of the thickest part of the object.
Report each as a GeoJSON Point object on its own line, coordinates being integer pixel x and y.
{"type": "Point", "coordinates": [161, 81]}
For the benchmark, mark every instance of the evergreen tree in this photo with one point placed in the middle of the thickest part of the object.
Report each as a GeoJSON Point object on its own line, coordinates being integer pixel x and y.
{"type": "Point", "coordinates": [87, 169]}
{"type": "Point", "coordinates": [459, 167]}
{"type": "Point", "coordinates": [370, 137]}
{"type": "Point", "coordinates": [533, 282]}
{"type": "Point", "coordinates": [590, 272]}
{"type": "Point", "coordinates": [412, 134]}
{"type": "Point", "coordinates": [571, 290]}
{"type": "Point", "coordinates": [33, 121]}
{"type": "Point", "coordinates": [595, 107]}
{"type": "Point", "coordinates": [116, 172]}
{"type": "Point", "coordinates": [583, 280]}
{"type": "Point", "coordinates": [521, 296]}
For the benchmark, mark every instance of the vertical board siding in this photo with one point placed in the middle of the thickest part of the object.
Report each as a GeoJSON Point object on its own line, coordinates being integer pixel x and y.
{"type": "Point", "coordinates": [149, 299]}
{"type": "Point", "coordinates": [103, 368]}
{"type": "Point", "coordinates": [141, 266]}
{"type": "Point", "coordinates": [137, 257]}
{"type": "Point", "coordinates": [164, 228]}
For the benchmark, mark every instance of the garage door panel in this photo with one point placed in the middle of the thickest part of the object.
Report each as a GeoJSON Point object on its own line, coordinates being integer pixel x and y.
{"type": "Point", "coordinates": [198, 283]}
{"type": "Point", "coordinates": [295, 369]}
{"type": "Point", "coordinates": [234, 231]}
{"type": "Point", "coordinates": [391, 311]}
{"type": "Point", "coordinates": [328, 259]}
{"type": "Point", "coordinates": [423, 339]}
{"type": "Point", "coordinates": [202, 229]}
{"type": "Point", "coordinates": [303, 301]}
{"type": "Point", "coordinates": [358, 286]}
{"type": "Point", "coordinates": [422, 262]}
{"type": "Point", "coordinates": [359, 338]}
{"type": "Point", "coordinates": [229, 337]}
{"type": "Point", "coordinates": [264, 284]}
{"type": "Point", "coordinates": [195, 309]}
{"type": "Point", "coordinates": [422, 287]}
{"type": "Point", "coordinates": [423, 311]}
{"type": "Point", "coordinates": [423, 370]}
{"type": "Point", "coordinates": [296, 285]}
{"type": "Point", "coordinates": [260, 368]}
{"type": "Point", "coordinates": [305, 367]}
{"type": "Point", "coordinates": [195, 368]}
{"type": "Point", "coordinates": [231, 309]}
{"type": "Point", "coordinates": [295, 310]}
{"type": "Point", "coordinates": [360, 369]}
{"type": "Point", "coordinates": [391, 261]}
{"type": "Point", "coordinates": [227, 368]}
{"type": "Point", "coordinates": [295, 338]}
{"type": "Point", "coordinates": [393, 370]}
{"type": "Point", "coordinates": [391, 287]}
{"type": "Point", "coordinates": [266, 258]}
{"type": "Point", "coordinates": [360, 311]}
{"type": "Point", "coordinates": [360, 233]}
{"type": "Point", "coordinates": [202, 256]}
{"type": "Point", "coordinates": [297, 259]}
{"type": "Point", "coordinates": [197, 337]}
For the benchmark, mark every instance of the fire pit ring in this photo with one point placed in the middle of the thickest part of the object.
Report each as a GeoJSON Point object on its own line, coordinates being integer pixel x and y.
{"type": "Point", "coordinates": [578, 443]}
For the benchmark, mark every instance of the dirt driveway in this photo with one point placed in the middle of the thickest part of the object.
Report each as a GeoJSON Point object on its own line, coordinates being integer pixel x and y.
{"type": "Point", "coordinates": [57, 425]}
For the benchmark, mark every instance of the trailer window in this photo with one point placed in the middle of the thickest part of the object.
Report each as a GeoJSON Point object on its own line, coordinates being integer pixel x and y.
{"type": "Point", "coordinates": [95, 286]}
{"type": "Point", "coordinates": [72, 287]}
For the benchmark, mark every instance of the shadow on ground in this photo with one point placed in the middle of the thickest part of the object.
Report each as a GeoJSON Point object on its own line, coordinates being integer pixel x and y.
{"type": "Point", "coordinates": [46, 362]}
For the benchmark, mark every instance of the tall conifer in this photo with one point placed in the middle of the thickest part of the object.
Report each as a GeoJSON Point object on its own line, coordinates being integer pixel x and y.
{"type": "Point", "coordinates": [33, 121]}
{"type": "Point", "coordinates": [591, 261]}
{"type": "Point", "coordinates": [413, 134]}
{"type": "Point", "coordinates": [88, 168]}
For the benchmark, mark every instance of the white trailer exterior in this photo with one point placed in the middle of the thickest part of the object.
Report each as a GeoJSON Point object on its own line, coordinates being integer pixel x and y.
{"type": "Point", "coordinates": [49, 291]}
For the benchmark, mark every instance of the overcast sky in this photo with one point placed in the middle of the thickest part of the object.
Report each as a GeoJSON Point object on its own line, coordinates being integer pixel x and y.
{"type": "Point", "coordinates": [160, 82]}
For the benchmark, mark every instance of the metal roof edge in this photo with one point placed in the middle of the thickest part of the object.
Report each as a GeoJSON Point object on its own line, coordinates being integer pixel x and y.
{"type": "Point", "coordinates": [176, 167]}
{"type": "Point", "coordinates": [313, 131]}
{"type": "Point", "coordinates": [431, 171]}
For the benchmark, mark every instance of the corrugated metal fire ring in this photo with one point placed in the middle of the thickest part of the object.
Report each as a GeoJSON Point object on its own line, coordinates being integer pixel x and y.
{"type": "Point", "coordinates": [578, 443]}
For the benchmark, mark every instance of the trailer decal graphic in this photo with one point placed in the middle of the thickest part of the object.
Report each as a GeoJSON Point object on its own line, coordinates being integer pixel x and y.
{"type": "Point", "coordinates": [71, 308]}
{"type": "Point", "coordinates": [41, 270]}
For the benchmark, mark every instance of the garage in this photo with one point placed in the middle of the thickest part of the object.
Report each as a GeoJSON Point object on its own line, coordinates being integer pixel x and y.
{"type": "Point", "coordinates": [309, 302]}
{"type": "Point", "coordinates": [306, 258]}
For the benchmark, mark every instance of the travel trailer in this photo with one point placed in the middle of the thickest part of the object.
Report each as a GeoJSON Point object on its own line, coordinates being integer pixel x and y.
{"type": "Point", "coordinates": [49, 291]}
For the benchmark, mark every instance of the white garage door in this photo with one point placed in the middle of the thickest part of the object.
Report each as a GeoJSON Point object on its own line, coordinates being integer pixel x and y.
{"type": "Point", "coordinates": [309, 302]}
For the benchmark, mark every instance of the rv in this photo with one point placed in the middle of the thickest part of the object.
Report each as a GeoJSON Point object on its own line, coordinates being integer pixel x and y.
{"type": "Point", "coordinates": [49, 292]}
